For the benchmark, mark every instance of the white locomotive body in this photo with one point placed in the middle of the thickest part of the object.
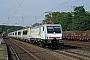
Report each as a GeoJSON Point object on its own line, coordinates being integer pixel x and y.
{"type": "Point", "coordinates": [47, 34]}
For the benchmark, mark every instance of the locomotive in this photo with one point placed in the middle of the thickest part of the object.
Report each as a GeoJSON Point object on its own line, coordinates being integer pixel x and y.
{"type": "Point", "coordinates": [42, 35]}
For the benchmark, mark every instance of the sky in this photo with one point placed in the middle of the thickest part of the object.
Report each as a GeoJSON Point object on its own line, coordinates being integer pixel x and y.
{"type": "Point", "coordinates": [28, 12]}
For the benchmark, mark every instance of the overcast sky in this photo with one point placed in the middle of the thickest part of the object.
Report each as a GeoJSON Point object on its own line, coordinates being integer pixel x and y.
{"type": "Point", "coordinates": [27, 12]}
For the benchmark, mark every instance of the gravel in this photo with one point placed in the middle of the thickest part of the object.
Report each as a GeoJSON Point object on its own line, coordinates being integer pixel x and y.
{"type": "Point", "coordinates": [80, 51]}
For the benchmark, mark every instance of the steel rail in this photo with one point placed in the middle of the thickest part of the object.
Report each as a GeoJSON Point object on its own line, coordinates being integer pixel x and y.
{"type": "Point", "coordinates": [27, 52]}
{"type": "Point", "coordinates": [73, 55]}
{"type": "Point", "coordinates": [15, 53]}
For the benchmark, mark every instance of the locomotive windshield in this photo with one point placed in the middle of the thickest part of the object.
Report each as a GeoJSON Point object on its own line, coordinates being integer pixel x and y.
{"type": "Point", "coordinates": [53, 29]}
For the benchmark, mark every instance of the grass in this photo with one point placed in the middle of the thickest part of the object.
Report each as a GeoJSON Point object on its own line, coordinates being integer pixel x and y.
{"type": "Point", "coordinates": [2, 51]}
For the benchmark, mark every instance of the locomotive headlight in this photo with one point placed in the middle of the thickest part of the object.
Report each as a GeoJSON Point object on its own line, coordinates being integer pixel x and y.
{"type": "Point", "coordinates": [60, 37]}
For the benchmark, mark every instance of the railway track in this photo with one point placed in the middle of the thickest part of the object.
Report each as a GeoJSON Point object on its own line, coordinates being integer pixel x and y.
{"type": "Point", "coordinates": [69, 55]}
{"type": "Point", "coordinates": [76, 50]}
{"type": "Point", "coordinates": [79, 44]}
{"type": "Point", "coordinates": [48, 54]}
{"type": "Point", "coordinates": [67, 50]}
{"type": "Point", "coordinates": [19, 53]}
{"type": "Point", "coordinates": [73, 55]}
{"type": "Point", "coordinates": [15, 56]}
{"type": "Point", "coordinates": [36, 51]}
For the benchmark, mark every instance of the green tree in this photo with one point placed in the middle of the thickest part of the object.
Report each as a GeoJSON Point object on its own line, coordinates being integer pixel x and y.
{"type": "Point", "coordinates": [81, 18]}
{"type": "Point", "coordinates": [77, 20]}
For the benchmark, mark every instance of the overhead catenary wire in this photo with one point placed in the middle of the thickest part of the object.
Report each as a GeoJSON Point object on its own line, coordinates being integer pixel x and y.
{"type": "Point", "coordinates": [37, 16]}
{"type": "Point", "coordinates": [57, 7]}
{"type": "Point", "coordinates": [12, 12]}
{"type": "Point", "coordinates": [17, 9]}
{"type": "Point", "coordinates": [60, 5]}
{"type": "Point", "coordinates": [43, 13]}
{"type": "Point", "coordinates": [14, 5]}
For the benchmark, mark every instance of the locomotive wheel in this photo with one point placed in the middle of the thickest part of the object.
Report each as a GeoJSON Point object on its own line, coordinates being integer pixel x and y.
{"type": "Point", "coordinates": [41, 45]}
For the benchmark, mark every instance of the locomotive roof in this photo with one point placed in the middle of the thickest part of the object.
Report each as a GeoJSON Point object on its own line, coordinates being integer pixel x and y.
{"type": "Point", "coordinates": [47, 25]}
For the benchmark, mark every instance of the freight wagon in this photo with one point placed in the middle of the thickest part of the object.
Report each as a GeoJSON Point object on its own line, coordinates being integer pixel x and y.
{"type": "Point", "coordinates": [77, 35]}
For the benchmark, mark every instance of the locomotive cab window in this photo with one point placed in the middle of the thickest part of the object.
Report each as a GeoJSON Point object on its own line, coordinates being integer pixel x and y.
{"type": "Point", "coordinates": [53, 29]}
